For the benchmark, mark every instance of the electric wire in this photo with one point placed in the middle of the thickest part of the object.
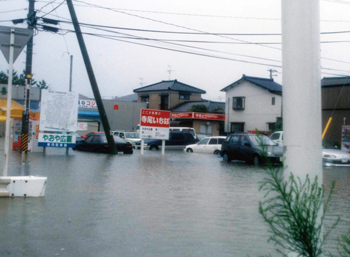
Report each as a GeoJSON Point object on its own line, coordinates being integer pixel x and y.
{"type": "Point", "coordinates": [54, 9]}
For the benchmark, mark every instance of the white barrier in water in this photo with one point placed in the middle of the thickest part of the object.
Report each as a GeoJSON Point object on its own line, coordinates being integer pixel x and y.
{"type": "Point", "coordinates": [22, 186]}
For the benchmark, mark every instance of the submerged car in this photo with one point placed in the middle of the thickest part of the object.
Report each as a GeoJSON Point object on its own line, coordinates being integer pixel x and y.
{"type": "Point", "coordinates": [98, 143]}
{"type": "Point", "coordinates": [131, 137]}
{"type": "Point", "coordinates": [332, 156]}
{"type": "Point", "coordinates": [206, 145]}
{"type": "Point", "coordinates": [177, 141]}
{"type": "Point", "coordinates": [251, 148]}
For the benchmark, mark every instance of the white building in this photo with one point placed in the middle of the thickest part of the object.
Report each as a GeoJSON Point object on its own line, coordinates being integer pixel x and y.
{"type": "Point", "coordinates": [252, 104]}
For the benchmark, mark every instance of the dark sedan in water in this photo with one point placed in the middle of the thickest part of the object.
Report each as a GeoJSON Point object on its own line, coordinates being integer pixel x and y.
{"type": "Point", "coordinates": [98, 143]}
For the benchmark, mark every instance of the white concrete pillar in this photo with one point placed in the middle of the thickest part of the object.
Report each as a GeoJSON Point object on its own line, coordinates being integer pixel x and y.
{"type": "Point", "coordinates": [302, 88]}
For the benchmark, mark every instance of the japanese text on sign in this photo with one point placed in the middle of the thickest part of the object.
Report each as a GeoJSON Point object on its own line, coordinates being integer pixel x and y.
{"type": "Point", "coordinates": [87, 103]}
{"type": "Point", "coordinates": [155, 118]}
{"type": "Point", "coordinates": [56, 140]}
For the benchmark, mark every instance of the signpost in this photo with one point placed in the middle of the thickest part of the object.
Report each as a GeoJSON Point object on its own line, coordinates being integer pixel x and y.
{"type": "Point", "coordinates": [56, 140]}
{"type": "Point", "coordinates": [154, 125]}
{"type": "Point", "coordinates": [12, 41]}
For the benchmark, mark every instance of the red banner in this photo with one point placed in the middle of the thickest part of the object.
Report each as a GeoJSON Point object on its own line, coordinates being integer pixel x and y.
{"type": "Point", "coordinates": [182, 115]}
{"type": "Point", "coordinates": [155, 118]}
{"type": "Point", "coordinates": [196, 115]}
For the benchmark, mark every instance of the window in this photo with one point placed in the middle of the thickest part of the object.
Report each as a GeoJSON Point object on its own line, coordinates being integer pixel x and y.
{"type": "Point", "coordinates": [237, 127]}
{"type": "Point", "coordinates": [145, 99]}
{"type": "Point", "coordinates": [244, 140]}
{"type": "Point", "coordinates": [206, 130]}
{"type": "Point", "coordinates": [273, 101]}
{"type": "Point", "coordinates": [221, 140]}
{"type": "Point", "coordinates": [234, 140]}
{"type": "Point", "coordinates": [204, 141]}
{"type": "Point", "coordinates": [213, 141]}
{"type": "Point", "coordinates": [272, 126]}
{"type": "Point", "coordinates": [275, 136]}
{"type": "Point", "coordinates": [184, 96]}
{"type": "Point", "coordinates": [89, 139]}
{"type": "Point", "coordinates": [95, 139]}
{"type": "Point", "coordinates": [238, 103]}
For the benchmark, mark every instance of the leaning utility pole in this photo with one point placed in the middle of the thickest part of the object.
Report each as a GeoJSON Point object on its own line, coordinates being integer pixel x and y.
{"type": "Point", "coordinates": [92, 79]}
{"type": "Point", "coordinates": [28, 80]}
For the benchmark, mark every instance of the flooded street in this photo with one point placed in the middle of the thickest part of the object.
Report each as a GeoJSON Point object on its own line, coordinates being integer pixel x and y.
{"type": "Point", "coordinates": [179, 204]}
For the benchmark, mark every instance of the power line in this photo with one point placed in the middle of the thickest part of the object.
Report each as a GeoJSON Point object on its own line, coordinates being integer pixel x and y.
{"type": "Point", "coordinates": [170, 24]}
{"type": "Point", "coordinates": [17, 10]}
{"type": "Point", "coordinates": [54, 8]}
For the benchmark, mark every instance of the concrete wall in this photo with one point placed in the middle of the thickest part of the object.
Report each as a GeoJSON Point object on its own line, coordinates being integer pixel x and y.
{"type": "Point", "coordinates": [126, 117]}
{"type": "Point", "coordinates": [258, 111]}
{"type": "Point", "coordinates": [18, 92]}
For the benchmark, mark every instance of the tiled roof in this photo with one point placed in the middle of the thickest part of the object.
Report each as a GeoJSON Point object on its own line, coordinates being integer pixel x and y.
{"type": "Point", "coordinates": [335, 81]}
{"type": "Point", "coordinates": [268, 84]}
{"type": "Point", "coordinates": [169, 85]}
{"type": "Point", "coordinates": [209, 104]}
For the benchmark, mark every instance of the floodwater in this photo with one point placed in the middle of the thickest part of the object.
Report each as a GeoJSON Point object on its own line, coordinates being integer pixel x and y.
{"type": "Point", "coordinates": [179, 204]}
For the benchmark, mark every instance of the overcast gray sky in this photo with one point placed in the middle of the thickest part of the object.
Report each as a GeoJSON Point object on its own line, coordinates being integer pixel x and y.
{"type": "Point", "coordinates": [123, 64]}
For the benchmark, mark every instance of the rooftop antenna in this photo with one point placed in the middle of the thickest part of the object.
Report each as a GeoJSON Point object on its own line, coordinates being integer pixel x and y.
{"type": "Point", "coordinates": [141, 82]}
{"type": "Point", "coordinates": [170, 71]}
{"type": "Point", "coordinates": [271, 73]}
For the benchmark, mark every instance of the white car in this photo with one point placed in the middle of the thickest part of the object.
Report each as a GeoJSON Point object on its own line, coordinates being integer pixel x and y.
{"type": "Point", "coordinates": [206, 145]}
{"type": "Point", "coordinates": [277, 137]}
{"type": "Point", "coordinates": [131, 137]}
{"type": "Point", "coordinates": [331, 156]}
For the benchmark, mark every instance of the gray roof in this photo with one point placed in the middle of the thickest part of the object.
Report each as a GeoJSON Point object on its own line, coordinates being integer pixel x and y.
{"type": "Point", "coordinates": [169, 85]}
{"type": "Point", "coordinates": [209, 104]}
{"type": "Point", "coordinates": [335, 81]}
{"type": "Point", "coordinates": [268, 84]}
{"type": "Point", "coordinates": [85, 97]}
{"type": "Point", "coordinates": [128, 98]}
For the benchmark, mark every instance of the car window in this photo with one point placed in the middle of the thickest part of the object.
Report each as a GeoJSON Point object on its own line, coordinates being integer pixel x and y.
{"type": "Point", "coordinates": [176, 136]}
{"type": "Point", "coordinates": [204, 141]}
{"type": "Point", "coordinates": [89, 139]}
{"type": "Point", "coordinates": [234, 140]}
{"type": "Point", "coordinates": [103, 139]}
{"type": "Point", "coordinates": [95, 139]}
{"type": "Point", "coordinates": [116, 134]}
{"type": "Point", "coordinates": [275, 136]}
{"type": "Point", "coordinates": [244, 140]}
{"type": "Point", "coordinates": [261, 140]}
{"type": "Point", "coordinates": [121, 134]}
{"type": "Point", "coordinates": [213, 141]}
{"type": "Point", "coordinates": [132, 135]}
{"type": "Point", "coordinates": [228, 138]}
{"type": "Point", "coordinates": [221, 140]}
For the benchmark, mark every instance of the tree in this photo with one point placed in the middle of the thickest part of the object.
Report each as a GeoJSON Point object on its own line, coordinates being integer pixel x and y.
{"type": "Point", "coordinates": [198, 108]}
{"type": "Point", "coordinates": [20, 79]}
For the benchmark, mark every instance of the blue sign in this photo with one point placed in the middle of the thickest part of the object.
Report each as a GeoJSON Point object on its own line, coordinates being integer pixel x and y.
{"type": "Point", "coordinates": [60, 145]}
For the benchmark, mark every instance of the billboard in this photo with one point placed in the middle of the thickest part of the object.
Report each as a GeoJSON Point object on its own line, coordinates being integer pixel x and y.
{"type": "Point", "coordinates": [154, 124]}
{"type": "Point", "coordinates": [59, 111]}
{"type": "Point", "coordinates": [198, 116]}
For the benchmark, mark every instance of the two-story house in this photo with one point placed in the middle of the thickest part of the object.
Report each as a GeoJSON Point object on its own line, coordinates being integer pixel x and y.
{"type": "Point", "coordinates": [165, 95]}
{"type": "Point", "coordinates": [252, 103]}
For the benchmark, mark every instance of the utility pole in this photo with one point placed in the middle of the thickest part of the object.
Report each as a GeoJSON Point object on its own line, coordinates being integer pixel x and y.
{"type": "Point", "coordinates": [271, 73]}
{"type": "Point", "coordinates": [92, 79]}
{"type": "Point", "coordinates": [28, 81]}
{"type": "Point", "coordinates": [170, 71]}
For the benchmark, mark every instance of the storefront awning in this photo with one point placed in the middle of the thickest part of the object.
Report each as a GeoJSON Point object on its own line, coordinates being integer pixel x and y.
{"type": "Point", "coordinates": [16, 109]}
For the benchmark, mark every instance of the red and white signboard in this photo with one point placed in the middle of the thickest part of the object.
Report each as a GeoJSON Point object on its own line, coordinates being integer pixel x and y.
{"type": "Point", "coordinates": [345, 138]}
{"type": "Point", "coordinates": [196, 115]}
{"type": "Point", "coordinates": [154, 124]}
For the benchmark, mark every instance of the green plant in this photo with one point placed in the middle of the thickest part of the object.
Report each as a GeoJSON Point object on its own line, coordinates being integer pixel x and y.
{"type": "Point", "coordinates": [344, 245]}
{"type": "Point", "coordinates": [291, 209]}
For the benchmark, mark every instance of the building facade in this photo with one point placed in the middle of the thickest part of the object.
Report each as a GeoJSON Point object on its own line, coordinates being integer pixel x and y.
{"type": "Point", "coordinates": [252, 103]}
{"type": "Point", "coordinates": [335, 104]}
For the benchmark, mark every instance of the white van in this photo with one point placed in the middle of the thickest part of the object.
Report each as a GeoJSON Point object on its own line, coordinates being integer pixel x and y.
{"type": "Point", "coordinates": [277, 137]}
{"type": "Point", "coordinates": [131, 137]}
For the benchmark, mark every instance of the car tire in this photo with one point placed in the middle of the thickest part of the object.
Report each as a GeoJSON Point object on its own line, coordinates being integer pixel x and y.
{"type": "Point", "coordinates": [226, 158]}
{"type": "Point", "coordinates": [216, 152]}
{"type": "Point", "coordinates": [256, 160]}
{"type": "Point", "coordinates": [189, 150]}
{"type": "Point", "coordinates": [153, 147]}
